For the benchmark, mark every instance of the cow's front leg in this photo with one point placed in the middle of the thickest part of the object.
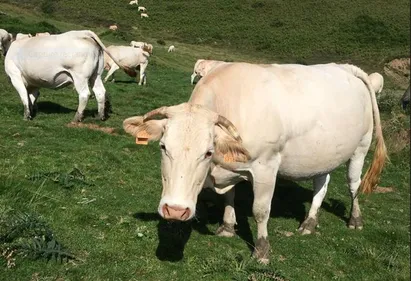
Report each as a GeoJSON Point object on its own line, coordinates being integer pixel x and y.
{"type": "Point", "coordinates": [229, 220]}
{"type": "Point", "coordinates": [263, 186]}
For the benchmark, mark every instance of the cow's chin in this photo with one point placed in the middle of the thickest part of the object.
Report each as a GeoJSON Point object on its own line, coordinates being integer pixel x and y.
{"type": "Point", "coordinates": [176, 210]}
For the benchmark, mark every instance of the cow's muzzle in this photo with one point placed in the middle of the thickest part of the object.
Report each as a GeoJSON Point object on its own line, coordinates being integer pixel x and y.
{"type": "Point", "coordinates": [175, 213]}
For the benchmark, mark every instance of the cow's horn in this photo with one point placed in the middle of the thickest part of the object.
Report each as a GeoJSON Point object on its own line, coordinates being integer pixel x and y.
{"type": "Point", "coordinates": [161, 112]}
{"type": "Point", "coordinates": [221, 120]}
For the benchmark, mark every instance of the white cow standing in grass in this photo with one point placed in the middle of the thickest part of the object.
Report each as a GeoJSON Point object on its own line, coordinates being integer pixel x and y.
{"type": "Point", "coordinates": [171, 49]}
{"type": "Point", "coordinates": [202, 67]}
{"type": "Point", "coordinates": [113, 27]}
{"type": "Point", "coordinates": [133, 2]}
{"type": "Point", "coordinates": [247, 122]}
{"type": "Point", "coordinates": [74, 57]}
{"type": "Point", "coordinates": [141, 9]}
{"type": "Point", "coordinates": [143, 15]}
{"type": "Point", "coordinates": [5, 40]}
{"type": "Point", "coordinates": [131, 57]}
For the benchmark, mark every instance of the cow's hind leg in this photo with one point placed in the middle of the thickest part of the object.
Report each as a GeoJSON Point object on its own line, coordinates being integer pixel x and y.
{"type": "Point", "coordinates": [229, 220]}
{"type": "Point", "coordinates": [320, 189]}
{"type": "Point", "coordinates": [354, 169]}
{"type": "Point", "coordinates": [143, 77]}
{"type": "Point", "coordinates": [24, 96]}
{"type": "Point", "coordinates": [113, 68]}
{"type": "Point", "coordinates": [100, 93]}
{"type": "Point", "coordinates": [83, 91]}
{"type": "Point", "coordinates": [34, 95]}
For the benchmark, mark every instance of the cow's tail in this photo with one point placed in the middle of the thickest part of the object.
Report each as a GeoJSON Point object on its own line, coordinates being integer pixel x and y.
{"type": "Point", "coordinates": [94, 36]}
{"type": "Point", "coordinates": [372, 176]}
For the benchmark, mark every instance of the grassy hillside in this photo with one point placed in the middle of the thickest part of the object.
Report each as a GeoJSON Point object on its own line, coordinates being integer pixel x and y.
{"type": "Point", "coordinates": [290, 31]}
{"type": "Point", "coordinates": [98, 192]}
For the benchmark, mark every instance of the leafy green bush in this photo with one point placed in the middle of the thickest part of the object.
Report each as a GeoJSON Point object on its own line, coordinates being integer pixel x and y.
{"type": "Point", "coordinates": [15, 25]}
{"type": "Point", "coordinates": [161, 42]}
{"type": "Point", "coordinates": [48, 6]}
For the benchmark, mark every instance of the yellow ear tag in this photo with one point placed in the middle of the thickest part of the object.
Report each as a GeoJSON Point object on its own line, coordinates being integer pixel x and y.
{"type": "Point", "coordinates": [142, 137]}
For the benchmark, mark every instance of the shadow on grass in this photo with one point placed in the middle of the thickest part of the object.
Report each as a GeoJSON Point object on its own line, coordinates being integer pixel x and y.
{"type": "Point", "coordinates": [288, 202]}
{"type": "Point", "coordinates": [49, 107]}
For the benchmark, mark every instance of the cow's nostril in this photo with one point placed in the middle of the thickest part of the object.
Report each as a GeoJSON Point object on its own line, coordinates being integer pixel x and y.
{"type": "Point", "coordinates": [165, 210]}
{"type": "Point", "coordinates": [186, 214]}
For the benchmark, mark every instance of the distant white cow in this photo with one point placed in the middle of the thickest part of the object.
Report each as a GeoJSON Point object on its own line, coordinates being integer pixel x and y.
{"type": "Point", "coordinates": [142, 9]}
{"type": "Point", "coordinates": [5, 40]}
{"type": "Point", "coordinates": [131, 57]}
{"type": "Point", "coordinates": [202, 67]}
{"type": "Point", "coordinates": [42, 34]}
{"type": "Point", "coordinates": [113, 27]}
{"type": "Point", "coordinates": [143, 15]}
{"type": "Point", "coordinates": [74, 57]}
{"type": "Point", "coordinates": [171, 49]}
{"type": "Point", "coordinates": [133, 2]}
{"type": "Point", "coordinates": [20, 36]}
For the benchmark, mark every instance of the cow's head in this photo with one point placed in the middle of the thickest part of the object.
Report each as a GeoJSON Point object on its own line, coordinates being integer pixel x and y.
{"type": "Point", "coordinates": [190, 137]}
{"type": "Point", "coordinates": [5, 44]}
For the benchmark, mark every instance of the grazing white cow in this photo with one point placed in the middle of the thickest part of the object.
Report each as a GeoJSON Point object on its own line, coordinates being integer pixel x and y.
{"type": "Point", "coordinates": [20, 36]}
{"type": "Point", "coordinates": [5, 40]}
{"type": "Point", "coordinates": [131, 57]}
{"type": "Point", "coordinates": [42, 34]}
{"type": "Point", "coordinates": [143, 45]}
{"type": "Point", "coordinates": [113, 27]}
{"type": "Point", "coordinates": [74, 57]}
{"type": "Point", "coordinates": [202, 67]}
{"type": "Point", "coordinates": [245, 122]}
{"type": "Point", "coordinates": [142, 9]}
{"type": "Point", "coordinates": [377, 81]}
{"type": "Point", "coordinates": [143, 15]}
{"type": "Point", "coordinates": [133, 2]}
{"type": "Point", "coordinates": [171, 48]}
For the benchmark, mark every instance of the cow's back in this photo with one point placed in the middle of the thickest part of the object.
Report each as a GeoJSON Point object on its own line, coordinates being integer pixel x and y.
{"type": "Point", "coordinates": [314, 116]}
{"type": "Point", "coordinates": [44, 61]}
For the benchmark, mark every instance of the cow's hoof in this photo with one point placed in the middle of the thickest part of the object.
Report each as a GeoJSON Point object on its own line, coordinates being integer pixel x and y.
{"type": "Point", "coordinates": [225, 230]}
{"type": "Point", "coordinates": [355, 223]}
{"type": "Point", "coordinates": [308, 226]}
{"type": "Point", "coordinates": [78, 117]}
{"type": "Point", "coordinates": [262, 251]}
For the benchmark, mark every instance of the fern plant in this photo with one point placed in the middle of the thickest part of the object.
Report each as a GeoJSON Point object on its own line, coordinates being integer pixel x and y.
{"type": "Point", "coordinates": [26, 235]}
{"type": "Point", "coordinates": [66, 180]}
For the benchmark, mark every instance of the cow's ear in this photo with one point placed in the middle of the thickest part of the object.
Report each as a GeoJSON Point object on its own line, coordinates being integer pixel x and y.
{"type": "Point", "coordinates": [144, 131]}
{"type": "Point", "coordinates": [229, 149]}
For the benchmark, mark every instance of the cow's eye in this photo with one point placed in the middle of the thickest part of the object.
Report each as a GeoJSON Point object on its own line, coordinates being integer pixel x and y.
{"type": "Point", "coordinates": [208, 154]}
{"type": "Point", "coordinates": [163, 147]}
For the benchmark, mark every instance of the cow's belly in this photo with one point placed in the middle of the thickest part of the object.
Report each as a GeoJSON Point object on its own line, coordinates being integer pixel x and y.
{"type": "Point", "coordinates": [49, 80]}
{"type": "Point", "coordinates": [318, 152]}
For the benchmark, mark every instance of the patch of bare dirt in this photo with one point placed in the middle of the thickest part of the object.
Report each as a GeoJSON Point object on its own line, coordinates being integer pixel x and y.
{"type": "Point", "coordinates": [399, 71]}
{"type": "Point", "coordinates": [380, 189]}
{"type": "Point", "coordinates": [107, 130]}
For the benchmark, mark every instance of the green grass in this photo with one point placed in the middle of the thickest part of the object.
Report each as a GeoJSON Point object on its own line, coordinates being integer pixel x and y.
{"type": "Point", "coordinates": [111, 225]}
